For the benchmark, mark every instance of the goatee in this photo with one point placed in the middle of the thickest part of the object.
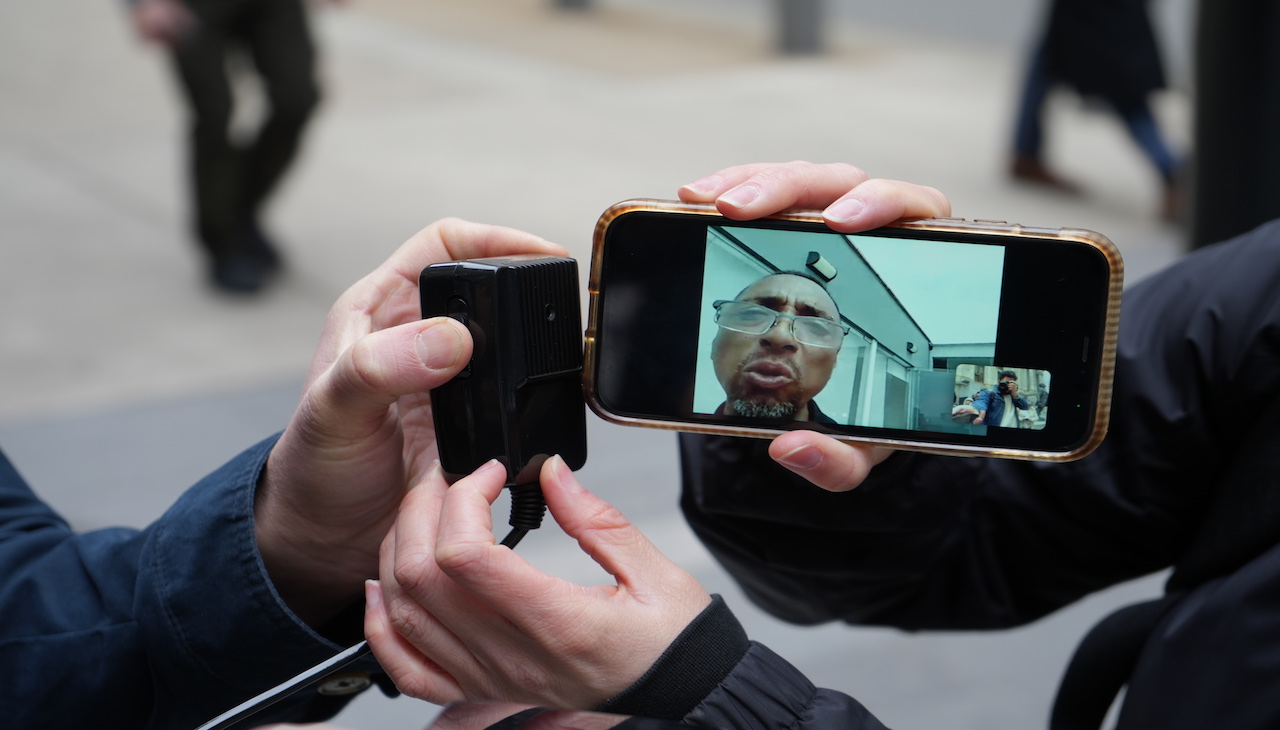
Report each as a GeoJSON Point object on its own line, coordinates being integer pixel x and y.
{"type": "Point", "coordinates": [775, 410]}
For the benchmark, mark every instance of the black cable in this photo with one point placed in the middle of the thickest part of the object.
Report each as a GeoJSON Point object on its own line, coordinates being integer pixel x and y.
{"type": "Point", "coordinates": [527, 510]}
{"type": "Point", "coordinates": [513, 538]}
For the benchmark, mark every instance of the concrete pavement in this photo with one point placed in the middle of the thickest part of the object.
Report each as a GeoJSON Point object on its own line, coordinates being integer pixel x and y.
{"type": "Point", "coordinates": [126, 378]}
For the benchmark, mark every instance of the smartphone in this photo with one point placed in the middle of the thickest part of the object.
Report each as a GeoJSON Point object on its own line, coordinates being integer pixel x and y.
{"type": "Point", "coordinates": [940, 335]}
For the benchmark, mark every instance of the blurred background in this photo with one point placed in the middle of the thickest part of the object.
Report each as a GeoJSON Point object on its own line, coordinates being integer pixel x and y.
{"type": "Point", "coordinates": [126, 376]}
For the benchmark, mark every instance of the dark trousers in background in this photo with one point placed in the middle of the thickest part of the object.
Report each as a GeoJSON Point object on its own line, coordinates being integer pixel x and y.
{"type": "Point", "coordinates": [1134, 112]}
{"type": "Point", "coordinates": [232, 178]}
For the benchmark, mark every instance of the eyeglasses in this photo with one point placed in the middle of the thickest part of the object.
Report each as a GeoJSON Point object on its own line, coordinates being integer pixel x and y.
{"type": "Point", "coordinates": [754, 319]}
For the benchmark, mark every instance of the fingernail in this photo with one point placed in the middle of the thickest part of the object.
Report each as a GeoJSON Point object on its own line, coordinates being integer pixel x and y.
{"type": "Point", "coordinates": [566, 475]}
{"type": "Point", "coordinates": [845, 210]}
{"type": "Point", "coordinates": [439, 346]}
{"type": "Point", "coordinates": [802, 458]}
{"type": "Point", "coordinates": [742, 195]}
{"type": "Point", "coordinates": [491, 465]}
{"type": "Point", "coordinates": [703, 186]}
{"type": "Point", "coordinates": [372, 595]}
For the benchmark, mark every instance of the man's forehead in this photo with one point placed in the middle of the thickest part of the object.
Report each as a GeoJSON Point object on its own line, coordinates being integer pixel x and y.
{"type": "Point", "coordinates": [790, 288]}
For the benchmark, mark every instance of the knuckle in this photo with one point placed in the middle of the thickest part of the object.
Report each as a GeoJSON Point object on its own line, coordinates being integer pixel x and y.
{"type": "Point", "coordinates": [460, 558]}
{"type": "Point", "coordinates": [608, 524]}
{"type": "Point", "coordinates": [414, 685]}
{"type": "Point", "coordinates": [939, 199]}
{"type": "Point", "coordinates": [844, 169]}
{"type": "Point", "coordinates": [413, 571]}
{"type": "Point", "coordinates": [407, 620]}
{"type": "Point", "coordinates": [362, 373]}
{"type": "Point", "coordinates": [607, 517]}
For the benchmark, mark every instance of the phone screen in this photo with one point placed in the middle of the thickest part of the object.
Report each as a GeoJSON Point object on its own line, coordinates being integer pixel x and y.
{"type": "Point", "coordinates": [947, 337]}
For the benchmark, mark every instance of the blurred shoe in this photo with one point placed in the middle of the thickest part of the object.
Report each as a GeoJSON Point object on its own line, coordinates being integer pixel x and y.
{"type": "Point", "coordinates": [1031, 170]}
{"type": "Point", "coordinates": [238, 273]}
{"type": "Point", "coordinates": [260, 247]}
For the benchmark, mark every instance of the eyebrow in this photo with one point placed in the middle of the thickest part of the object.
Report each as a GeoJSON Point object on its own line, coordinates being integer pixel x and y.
{"type": "Point", "coordinates": [802, 308]}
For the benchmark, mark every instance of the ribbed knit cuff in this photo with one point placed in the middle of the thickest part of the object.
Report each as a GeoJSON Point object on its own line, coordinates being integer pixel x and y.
{"type": "Point", "coordinates": [694, 665]}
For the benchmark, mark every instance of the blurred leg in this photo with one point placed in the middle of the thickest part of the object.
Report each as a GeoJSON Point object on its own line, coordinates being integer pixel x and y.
{"type": "Point", "coordinates": [280, 42]}
{"type": "Point", "coordinates": [1028, 137]}
{"type": "Point", "coordinates": [214, 162]}
{"type": "Point", "coordinates": [1142, 126]}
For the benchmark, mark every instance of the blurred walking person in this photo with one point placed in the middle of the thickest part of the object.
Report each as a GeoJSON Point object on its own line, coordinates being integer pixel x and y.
{"type": "Point", "coordinates": [1106, 50]}
{"type": "Point", "coordinates": [231, 179]}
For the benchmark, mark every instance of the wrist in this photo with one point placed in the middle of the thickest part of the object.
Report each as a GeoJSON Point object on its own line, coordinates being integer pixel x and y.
{"type": "Point", "coordinates": [318, 570]}
{"type": "Point", "coordinates": [690, 668]}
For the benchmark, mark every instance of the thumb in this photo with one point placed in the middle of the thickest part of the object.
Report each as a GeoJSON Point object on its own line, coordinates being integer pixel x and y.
{"type": "Point", "coordinates": [827, 463]}
{"type": "Point", "coordinates": [353, 394]}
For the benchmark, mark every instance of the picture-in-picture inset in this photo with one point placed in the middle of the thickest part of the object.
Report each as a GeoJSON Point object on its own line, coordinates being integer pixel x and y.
{"type": "Point", "coordinates": [1000, 397]}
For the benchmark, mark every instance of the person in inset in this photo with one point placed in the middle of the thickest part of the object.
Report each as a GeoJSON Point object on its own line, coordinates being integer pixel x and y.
{"type": "Point", "coordinates": [1104, 49]}
{"type": "Point", "coordinates": [998, 406]}
{"type": "Point", "coordinates": [232, 179]}
{"type": "Point", "coordinates": [776, 346]}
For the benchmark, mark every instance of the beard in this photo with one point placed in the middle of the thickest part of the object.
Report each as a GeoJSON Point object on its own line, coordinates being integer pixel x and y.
{"type": "Point", "coordinates": [765, 409]}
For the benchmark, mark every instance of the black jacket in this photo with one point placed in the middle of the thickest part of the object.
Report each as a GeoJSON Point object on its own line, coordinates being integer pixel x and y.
{"type": "Point", "coordinates": [933, 542]}
{"type": "Point", "coordinates": [1104, 48]}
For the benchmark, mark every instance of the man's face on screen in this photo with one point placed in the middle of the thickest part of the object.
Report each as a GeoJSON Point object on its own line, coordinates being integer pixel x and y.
{"type": "Point", "coordinates": [766, 370]}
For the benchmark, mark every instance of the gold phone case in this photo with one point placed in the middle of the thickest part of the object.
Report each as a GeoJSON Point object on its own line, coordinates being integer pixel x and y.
{"type": "Point", "coordinates": [956, 225]}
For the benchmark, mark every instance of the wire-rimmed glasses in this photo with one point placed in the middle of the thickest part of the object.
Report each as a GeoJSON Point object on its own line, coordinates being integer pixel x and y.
{"type": "Point", "coordinates": [755, 319]}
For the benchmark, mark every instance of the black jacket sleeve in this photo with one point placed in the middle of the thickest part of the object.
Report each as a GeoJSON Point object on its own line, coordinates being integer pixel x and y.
{"type": "Point", "coordinates": [712, 676]}
{"type": "Point", "coordinates": [945, 542]}
{"type": "Point", "coordinates": [764, 692]}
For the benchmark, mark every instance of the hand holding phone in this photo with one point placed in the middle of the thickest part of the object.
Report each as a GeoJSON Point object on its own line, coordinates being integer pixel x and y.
{"type": "Point", "coordinates": [849, 198]}
{"type": "Point", "coordinates": [727, 328]}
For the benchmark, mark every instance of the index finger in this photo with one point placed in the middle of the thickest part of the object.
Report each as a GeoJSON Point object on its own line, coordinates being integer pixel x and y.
{"type": "Point", "coordinates": [851, 201]}
{"type": "Point", "coordinates": [880, 202]}
{"type": "Point", "coordinates": [751, 191]}
{"type": "Point", "coordinates": [454, 239]}
{"type": "Point", "coordinates": [467, 552]}
{"type": "Point", "coordinates": [388, 296]}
